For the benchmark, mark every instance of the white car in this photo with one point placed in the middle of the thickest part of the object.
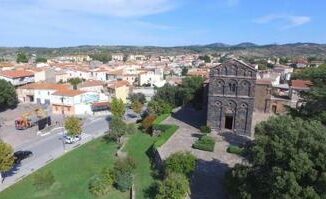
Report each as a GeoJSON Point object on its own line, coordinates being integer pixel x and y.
{"type": "Point", "coordinates": [70, 139]}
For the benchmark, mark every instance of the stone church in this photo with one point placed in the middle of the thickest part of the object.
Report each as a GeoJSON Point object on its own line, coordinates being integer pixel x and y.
{"type": "Point", "coordinates": [231, 95]}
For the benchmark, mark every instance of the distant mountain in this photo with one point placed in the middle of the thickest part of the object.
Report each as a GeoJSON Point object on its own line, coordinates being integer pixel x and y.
{"type": "Point", "coordinates": [242, 49]}
{"type": "Point", "coordinates": [246, 45]}
{"type": "Point", "coordinates": [217, 45]}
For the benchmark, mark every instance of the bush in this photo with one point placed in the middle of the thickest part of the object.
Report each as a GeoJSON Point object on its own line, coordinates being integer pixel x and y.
{"type": "Point", "coordinates": [148, 121]}
{"type": "Point", "coordinates": [205, 143]}
{"type": "Point", "coordinates": [131, 128]}
{"type": "Point", "coordinates": [108, 176]}
{"type": "Point", "coordinates": [98, 186]}
{"type": "Point", "coordinates": [43, 180]}
{"type": "Point", "coordinates": [118, 128]}
{"type": "Point", "coordinates": [181, 162]}
{"type": "Point", "coordinates": [124, 181]}
{"type": "Point", "coordinates": [175, 186]}
{"type": "Point", "coordinates": [235, 150]}
{"type": "Point", "coordinates": [123, 165]}
{"type": "Point", "coordinates": [159, 107]}
{"type": "Point", "coordinates": [205, 129]}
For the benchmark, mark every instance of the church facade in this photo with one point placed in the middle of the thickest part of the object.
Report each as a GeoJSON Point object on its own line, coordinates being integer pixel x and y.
{"type": "Point", "coordinates": [231, 95]}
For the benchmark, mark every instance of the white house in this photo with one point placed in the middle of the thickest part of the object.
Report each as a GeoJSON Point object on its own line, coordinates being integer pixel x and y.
{"type": "Point", "coordinates": [17, 77]}
{"type": "Point", "coordinates": [152, 78]}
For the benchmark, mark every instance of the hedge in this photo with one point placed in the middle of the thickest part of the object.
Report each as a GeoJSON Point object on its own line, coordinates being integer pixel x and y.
{"type": "Point", "coordinates": [235, 150]}
{"type": "Point", "coordinates": [205, 143]}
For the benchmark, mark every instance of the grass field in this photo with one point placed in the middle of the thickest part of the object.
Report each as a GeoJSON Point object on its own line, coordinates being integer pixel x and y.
{"type": "Point", "coordinates": [137, 147]}
{"type": "Point", "coordinates": [72, 173]}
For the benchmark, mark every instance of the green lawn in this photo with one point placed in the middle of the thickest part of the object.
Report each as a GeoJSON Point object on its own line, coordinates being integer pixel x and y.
{"type": "Point", "coordinates": [137, 147]}
{"type": "Point", "coordinates": [165, 136]}
{"type": "Point", "coordinates": [161, 118]}
{"type": "Point", "coordinates": [72, 173]}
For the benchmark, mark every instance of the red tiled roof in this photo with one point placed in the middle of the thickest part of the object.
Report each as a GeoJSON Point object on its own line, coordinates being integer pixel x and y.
{"type": "Point", "coordinates": [304, 84]}
{"type": "Point", "coordinates": [68, 93]}
{"type": "Point", "coordinates": [118, 84]}
{"type": "Point", "coordinates": [46, 86]}
{"type": "Point", "coordinates": [91, 83]}
{"type": "Point", "coordinates": [16, 73]}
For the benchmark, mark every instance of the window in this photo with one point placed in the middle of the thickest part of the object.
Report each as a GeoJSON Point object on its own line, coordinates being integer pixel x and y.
{"type": "Point", "coordinates": [232, 87]}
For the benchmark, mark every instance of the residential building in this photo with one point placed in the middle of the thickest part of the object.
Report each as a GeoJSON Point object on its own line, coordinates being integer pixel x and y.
{"type": "Point", "coordinates": [39, 92]}
{"type": "Point", "coordinates": [17, 77]}
{"type": "Point", "coordinates": [119, 89]}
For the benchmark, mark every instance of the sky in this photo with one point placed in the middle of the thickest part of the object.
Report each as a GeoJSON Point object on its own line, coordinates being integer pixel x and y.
{"type": "Point", "coordinates": [60, 23]}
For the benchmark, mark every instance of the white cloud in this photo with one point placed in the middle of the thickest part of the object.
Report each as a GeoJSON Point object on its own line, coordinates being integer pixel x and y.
{"type": "Point", "coordinates": [288, 21]}
{"type": "Point", "coordinates": [117, 8]}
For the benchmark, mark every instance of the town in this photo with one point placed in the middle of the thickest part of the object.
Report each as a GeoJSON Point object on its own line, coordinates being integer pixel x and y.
{"type": "Point", "coordinates": [162, 99]}
{"type": "Point", "coordinates": [187, 93]}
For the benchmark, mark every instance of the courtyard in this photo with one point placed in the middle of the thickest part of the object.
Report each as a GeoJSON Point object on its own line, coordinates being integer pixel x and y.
{"type": "Point", "coordinates": [208, 178]}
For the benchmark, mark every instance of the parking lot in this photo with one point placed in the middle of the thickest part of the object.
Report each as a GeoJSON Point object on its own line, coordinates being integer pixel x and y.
{"type": "Point", "coordinates": [16, 138]}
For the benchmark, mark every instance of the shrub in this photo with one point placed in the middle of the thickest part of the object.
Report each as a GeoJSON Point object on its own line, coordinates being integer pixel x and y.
{"type": "Point", "coordinates": [235, 150]}
{"type": "Point", "coordinates": [124, 181]}
{"type": "Point", "coordinates": [43, 180]}
{"type": "Point", "coordinates": [205, 143]}
{"type": "Point", "coordinates": [123, 165]}
{"type": "Point", "coordinates": [131, 128]}
{"type": "Point", "coordinates": [108, 176]}
{"type": "Point", "coordinates": [98, 186]}
{"type": "Point", "coordinates": [175, 186]}
{"type": "Point", "coordinates": [148, 121]}
{"type": "Point", "coordinates": [205, 129]}
{"type": "Point", "coordinates": [181, 162]}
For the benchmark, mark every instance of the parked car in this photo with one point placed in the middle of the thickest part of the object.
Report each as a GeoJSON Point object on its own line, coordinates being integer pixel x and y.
{"type": "Point", "coordinates": [71, 139]}
{"type": "Point", "coordinates": [21, 155]}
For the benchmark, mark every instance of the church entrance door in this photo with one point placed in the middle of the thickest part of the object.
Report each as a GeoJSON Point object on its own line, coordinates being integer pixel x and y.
{"type": "Point", "coordinates": [229, 122]}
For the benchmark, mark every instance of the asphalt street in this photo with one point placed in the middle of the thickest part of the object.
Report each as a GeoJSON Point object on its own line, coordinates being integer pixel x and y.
{"type": "Point", "coordinates": [51, 147]}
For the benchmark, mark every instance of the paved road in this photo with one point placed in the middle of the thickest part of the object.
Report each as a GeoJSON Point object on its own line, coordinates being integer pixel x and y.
{"type": "Point", "coordinates": [51, 147]}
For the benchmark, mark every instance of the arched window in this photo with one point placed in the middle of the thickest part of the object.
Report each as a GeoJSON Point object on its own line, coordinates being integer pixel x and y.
{"type": "Point", "coordinates": [232, 87]}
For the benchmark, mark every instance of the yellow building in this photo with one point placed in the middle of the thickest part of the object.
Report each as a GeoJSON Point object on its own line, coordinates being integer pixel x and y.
{"type": "Point", "coordinates": [119, 89]}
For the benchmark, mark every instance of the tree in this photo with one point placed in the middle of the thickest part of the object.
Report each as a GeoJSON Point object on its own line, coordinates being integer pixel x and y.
{"type": "Point", "coordinates": [41, 60]}
{"type": "Point", "coordinates": [137, 107]}
{"type": "Point", "coordinates": [159, 107]}
{"type": "Point", "coordinates": [170, 94]}
{"type": "Point", "coordinates": [315, 99]}
{"type": "Point", "coordinates": [6, 157]}
{"type": "Point", "coordinates": [117, 129]}
{"type": "Point", "coordinates": [117, 107]}
{"type": "Point", "coordinates": [184, 71]}
{"type": "Point", "coordinates": [8, 96]}
{"type": "Point", "coordinates": [102, 57]}
{"type": "Point", "coordinates": [147, 123]}
{"type": "Point", "coordinates": [287, 160]}
{"type": "Point", "coordinates": [191, 90]}
{"type": "Point", "coordinates": [140, 97]}
{"type": "Point", "coordinates": [75, 81]}
{"type": "Point", "coordinates": [21, 58]}
{"type": "Point", "coordinates": [205, 58]}
{"type": "Point", "coordinates": [175, 186]}
{"type": "Point", "coordinates": [181, 162]}
{"type": "Point", "coordinates": [73, 126]}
